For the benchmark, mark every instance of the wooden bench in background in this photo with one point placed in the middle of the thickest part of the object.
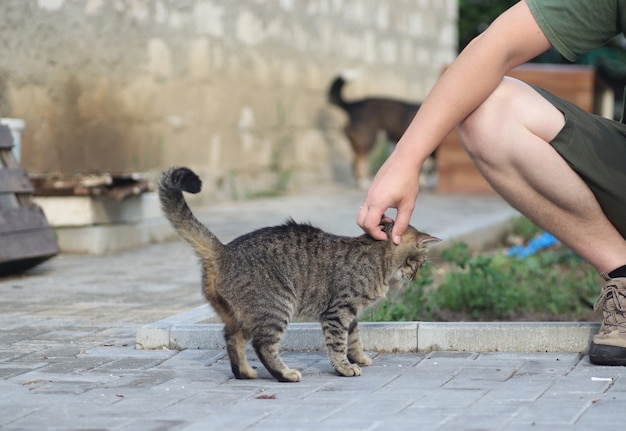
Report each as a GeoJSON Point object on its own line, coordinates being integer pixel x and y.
{"type": "Point", "coordinates": [26, 239]}
{"type": "Point", "coordinates": [456, 172]}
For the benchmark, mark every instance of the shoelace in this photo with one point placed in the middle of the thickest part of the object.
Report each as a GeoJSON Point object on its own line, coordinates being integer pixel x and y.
{"type": "Point", "coordinates": [611, 292]}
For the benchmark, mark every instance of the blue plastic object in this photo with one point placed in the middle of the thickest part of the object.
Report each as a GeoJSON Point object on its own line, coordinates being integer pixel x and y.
{"type": "Point", "coordinates": [541, 242]}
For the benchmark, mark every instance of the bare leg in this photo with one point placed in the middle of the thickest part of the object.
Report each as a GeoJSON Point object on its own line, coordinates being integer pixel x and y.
{"type": "Point", "coordinates": [508, 139]}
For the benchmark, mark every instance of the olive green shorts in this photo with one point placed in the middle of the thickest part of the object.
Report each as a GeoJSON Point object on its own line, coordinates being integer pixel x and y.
{"type": "Point", "coordinates": [595, 147]}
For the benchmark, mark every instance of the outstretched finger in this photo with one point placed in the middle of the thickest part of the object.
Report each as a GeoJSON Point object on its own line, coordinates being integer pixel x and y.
{"type": "Point", "coordinates": [403, 218]}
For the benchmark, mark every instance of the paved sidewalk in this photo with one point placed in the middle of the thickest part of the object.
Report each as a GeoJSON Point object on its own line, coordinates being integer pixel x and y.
{"type": "Point", "coordinates": [68, 359]}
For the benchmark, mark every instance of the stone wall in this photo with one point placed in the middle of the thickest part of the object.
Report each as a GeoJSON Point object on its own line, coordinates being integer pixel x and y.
{"type": "Point", "coordinates": [234, 89]}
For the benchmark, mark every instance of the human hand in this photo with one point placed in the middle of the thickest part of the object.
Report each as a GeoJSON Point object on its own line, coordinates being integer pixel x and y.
{"type": "Point", "coordinates": [396, 185]}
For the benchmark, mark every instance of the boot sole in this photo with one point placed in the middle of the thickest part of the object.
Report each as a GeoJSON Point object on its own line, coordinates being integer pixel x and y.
{"type": "Point", "coordinates": [601, 354]}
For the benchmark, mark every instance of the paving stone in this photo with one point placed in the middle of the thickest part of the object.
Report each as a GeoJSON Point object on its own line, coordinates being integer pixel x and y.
{"type": "Point", "coordinates": [418, 418]}
{"type": "Point", "coordinates": [477, 421]}
{"type": "Point", "coordinates": [19, 334]}
{"type": "Point", "coordinates": [603, 413]}
{"type": "Point", "coordinates": [233, 419]}
{"type": "Point", "coordinates": [515, 392]}
{"type": "Point", "coordinates": [11, 369]}
{"type": "Point", "coordinates": [193, 359]}
{"type": "Point", "coordinates": [542, 427]}
{"type": "Point", "coordinates": [564, 411]}
{"type": "Point", "coordinates": [61, 419]}
{"type": "Point", "coordinates": [451, 398]}
{"type": "Point", "coordinates": [74, 365]}
{"type": "Point", "coordinates": [135, 378]}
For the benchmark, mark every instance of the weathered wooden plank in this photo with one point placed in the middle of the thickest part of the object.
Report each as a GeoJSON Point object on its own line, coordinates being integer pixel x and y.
{"type": "Point", "coordinates": [6, 138]}
{"type": "Point", "coordinates": [30, 244]}
{"type": "Point", "coordinates": [21, 218]}
{"type": "Point", "coordinates": [7, 159]}
{"type": "Point", "coordinates": [20, 251]}
{"type": "Point", "coordinates": [26, 239]}
{"type": "Point", "coordinates": [15, 180]}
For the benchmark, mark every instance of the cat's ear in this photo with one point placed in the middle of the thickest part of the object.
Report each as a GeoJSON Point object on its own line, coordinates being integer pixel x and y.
{"type": "Point", "coordinates": [423, 239]}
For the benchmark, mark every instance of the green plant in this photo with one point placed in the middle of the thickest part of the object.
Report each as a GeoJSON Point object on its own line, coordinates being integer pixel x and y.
{"type": "Point", "coordinates": [524, 228]}
{"type": "Point", "coordinates": [552, 284]}
{"type": "Point", "coordinates": [496, 286]}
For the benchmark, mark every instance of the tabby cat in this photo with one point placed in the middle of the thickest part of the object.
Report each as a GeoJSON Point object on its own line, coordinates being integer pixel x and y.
{"type": "Point", "coordinates": [260, 281]}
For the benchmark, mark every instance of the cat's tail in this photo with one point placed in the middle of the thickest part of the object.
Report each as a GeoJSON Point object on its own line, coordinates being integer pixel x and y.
{"type": "Point", "coordinates": [172, 183]}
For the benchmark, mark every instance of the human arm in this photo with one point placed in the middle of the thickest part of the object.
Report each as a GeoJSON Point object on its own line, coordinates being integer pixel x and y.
{"type": "Point", "coordinates": [512, 39]}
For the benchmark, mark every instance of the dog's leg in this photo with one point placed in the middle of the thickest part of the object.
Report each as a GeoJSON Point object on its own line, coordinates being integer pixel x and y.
{"type": "Point", "coordinates": [362, 138]}
{"type": "Point", "coordinates": [360, 171]}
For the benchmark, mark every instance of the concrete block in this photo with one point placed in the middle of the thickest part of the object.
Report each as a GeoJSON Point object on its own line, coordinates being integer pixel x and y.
{"type": "Point", "coordinates": [100, 239]}
{"type": "Point", "coordinates": [200, 336]}
{"type": "Point", "coordinates": [506, 336]}
{"type": "Point", "coordinates": [156, 335]}
{"type": "Point", "coordinates": [153, 336]}
{"type": "Point", "coordinates": [100, 224]}
{"type": "Point", "coordinates": [389, 336]}
{"type": "Point", "coordinates": [299, 337]}
{"type": "Point", "coordinates": [195, 329]}
{"type": "Point", "coordinates": [62, 211]}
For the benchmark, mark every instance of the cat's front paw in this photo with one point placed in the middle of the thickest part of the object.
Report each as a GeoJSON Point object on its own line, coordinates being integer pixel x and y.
{"type": "Point", "coordinates": [351, 370]}
{"type": "Point", "coordinates": [290, 375]}
{"type": "Point", "coordinates": [362, 360]}
{"type": "Point", "coordinates": [244, 373]}
{"type": "Point", "coordinates": [248, 374]}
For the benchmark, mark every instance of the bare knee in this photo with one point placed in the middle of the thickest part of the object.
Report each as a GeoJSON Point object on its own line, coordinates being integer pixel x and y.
{"type": "Point", "coordinates": [512, 111]}
{"type": "Point", "coordinates": [483, 128]}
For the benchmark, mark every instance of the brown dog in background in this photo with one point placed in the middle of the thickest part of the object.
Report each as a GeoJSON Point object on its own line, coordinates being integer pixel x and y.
{"type": "Point", "coordinates": [366, 117]}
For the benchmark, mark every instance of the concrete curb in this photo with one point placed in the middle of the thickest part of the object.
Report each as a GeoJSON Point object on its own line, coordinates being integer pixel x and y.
{"type": "Point", "coordinates": [196, 329]}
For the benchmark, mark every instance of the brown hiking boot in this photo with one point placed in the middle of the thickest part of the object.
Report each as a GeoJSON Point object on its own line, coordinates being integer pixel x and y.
{"type": "Point", "coordinates": [609, 345]}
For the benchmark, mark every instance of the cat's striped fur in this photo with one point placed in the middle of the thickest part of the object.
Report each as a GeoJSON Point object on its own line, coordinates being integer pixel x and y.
{"type": "Point", "coordinates": [262, 280]}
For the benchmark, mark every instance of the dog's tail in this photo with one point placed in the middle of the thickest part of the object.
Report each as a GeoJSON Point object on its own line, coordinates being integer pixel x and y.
{"type": "Point", "coordinates": [172, 183]}
{"type": "Point", "coordinates": [334, 92]}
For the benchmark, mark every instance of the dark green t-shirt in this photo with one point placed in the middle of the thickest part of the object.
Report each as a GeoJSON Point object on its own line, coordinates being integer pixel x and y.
{"type": "Point", "coordinates": [575, 27]}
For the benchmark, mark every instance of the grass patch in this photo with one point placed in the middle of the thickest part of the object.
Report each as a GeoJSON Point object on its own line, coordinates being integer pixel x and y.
{"type": "Point", "coordinates": [551, 284]}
